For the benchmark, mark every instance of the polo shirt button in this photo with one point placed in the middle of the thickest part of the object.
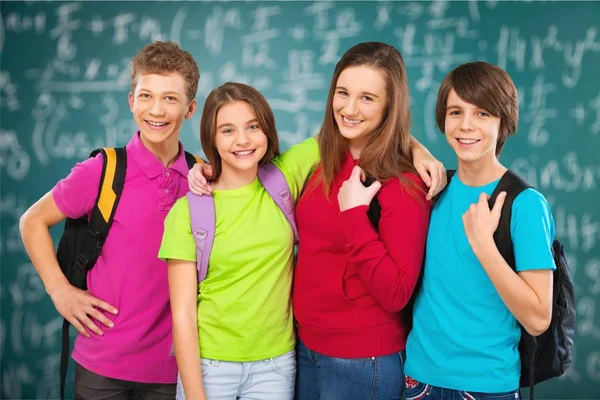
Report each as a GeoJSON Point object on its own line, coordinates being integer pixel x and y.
{"type": "Point", "coordinates": [167, 174]}
{"type": "Point", "coordinates": [166, 190]}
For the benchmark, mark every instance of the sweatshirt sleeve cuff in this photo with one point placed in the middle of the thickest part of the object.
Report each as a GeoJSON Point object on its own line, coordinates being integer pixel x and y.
{"type": "Point", "coordinates": [356, 224]}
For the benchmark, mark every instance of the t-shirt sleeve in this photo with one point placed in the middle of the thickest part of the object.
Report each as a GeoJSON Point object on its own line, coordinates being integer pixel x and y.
{"type": "Point", "coordinates": [298, 163]}
{"type": "Point", "coordinates": [76, 194]}
{"type": "Point", "coordinates": [178, 241]}
{"type": "Point", "coordinates": [532, 231]}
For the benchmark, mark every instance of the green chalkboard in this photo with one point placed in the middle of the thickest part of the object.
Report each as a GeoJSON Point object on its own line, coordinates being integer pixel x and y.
{"type": "Point", "coordinates": [64, 82]}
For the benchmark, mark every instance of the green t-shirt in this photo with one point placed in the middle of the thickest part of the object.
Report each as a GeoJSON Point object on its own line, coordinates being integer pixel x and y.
{"type": "Point", "coordinates": [244, 304]}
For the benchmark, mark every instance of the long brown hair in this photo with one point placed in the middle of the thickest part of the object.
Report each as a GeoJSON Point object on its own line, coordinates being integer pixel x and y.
{"type": "Point", "coordinates": [387, 152]}
{"type": "Point", "coordinates": [225, 94]}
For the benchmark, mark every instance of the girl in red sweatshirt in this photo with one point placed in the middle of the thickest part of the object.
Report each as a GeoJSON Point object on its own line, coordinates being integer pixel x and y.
{"type": "Point", "coordinates": [353, 280]}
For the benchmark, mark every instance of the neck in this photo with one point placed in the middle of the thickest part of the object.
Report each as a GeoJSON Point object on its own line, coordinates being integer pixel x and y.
{"type": "Point", "coordinates": [234, 179]}
{"type": "Point", "coordinates": [356, 146]}
{"type": "Point", "coordinates": [480, 172]}
{"type": "Point", "coordinates": [166, 152]}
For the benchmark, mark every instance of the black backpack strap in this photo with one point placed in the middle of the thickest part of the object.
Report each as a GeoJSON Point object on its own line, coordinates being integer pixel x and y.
{"type": "Point", "coordinates": [513, 185]}
{"type": "Point", "coordinates": [192, 159]}
{"type": "Point", "coordinates": [449, 174]}
{"type": "Point", "coordinates": [374, 211]}
{"type": "Point", "coordinates": [109, 193]}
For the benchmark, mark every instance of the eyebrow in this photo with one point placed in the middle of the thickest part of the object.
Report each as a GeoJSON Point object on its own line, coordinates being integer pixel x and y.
{"type": "Point", "coordinates": [364, 93]}
{"type": "Point", "coordinates": [163, 93]}
{"type": "Point", "coordinates": [230, 124]}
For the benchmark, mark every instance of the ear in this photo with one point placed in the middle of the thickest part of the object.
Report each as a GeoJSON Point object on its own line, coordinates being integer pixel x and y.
{"type": "Point", "coordinates": [130, 98]}
{"type": "Point", "coordinates": [191, 109]}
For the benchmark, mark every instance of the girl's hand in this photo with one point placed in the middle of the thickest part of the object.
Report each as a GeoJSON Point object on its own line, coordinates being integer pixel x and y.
{"type": "Point", "coordinates": [354, 194]}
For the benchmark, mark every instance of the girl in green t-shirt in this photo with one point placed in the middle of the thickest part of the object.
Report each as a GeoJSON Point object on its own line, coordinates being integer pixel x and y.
{"type": "Point", "coordinates": [235, 330]}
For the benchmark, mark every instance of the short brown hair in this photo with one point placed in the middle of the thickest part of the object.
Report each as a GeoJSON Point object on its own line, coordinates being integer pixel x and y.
{"type": "Point", "coordinates": [228, 93]}
{"type": "Point", "coordinates": [486, 86]}
{"type": "Point", "coordinates": [166, 57]}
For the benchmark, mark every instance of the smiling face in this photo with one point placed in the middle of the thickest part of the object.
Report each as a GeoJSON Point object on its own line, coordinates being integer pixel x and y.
{"type": "Point", "coordinates": [239, 138]}
{"type": "Point", "coordinates": [159, 105]}
{"type": "Point", "coordinates": [471, 131]}
{"type": "Point", "coordinates": [359, 103]}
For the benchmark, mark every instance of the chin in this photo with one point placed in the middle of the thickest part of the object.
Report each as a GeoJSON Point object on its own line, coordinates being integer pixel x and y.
{"type": "Point", "coordinates": [350, 135]}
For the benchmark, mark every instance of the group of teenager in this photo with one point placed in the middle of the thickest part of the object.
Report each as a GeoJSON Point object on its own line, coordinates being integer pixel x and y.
{"type": "Point", "coordinates": [417, 303]}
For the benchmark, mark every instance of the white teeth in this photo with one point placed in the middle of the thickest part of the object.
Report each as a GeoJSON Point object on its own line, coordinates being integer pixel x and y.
{"type": "Point", "coordinates": [468, 141]}
{"type": "Point", "coordinates": [157, 124]}
{"type": "Point", "coordinates": [243, 153]}
{"type": "Point", "coordinates": [351, 121]}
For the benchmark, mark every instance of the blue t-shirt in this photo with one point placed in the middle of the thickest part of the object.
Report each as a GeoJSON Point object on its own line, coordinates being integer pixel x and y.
{"type": "Point", "coordinates": [464, 337]}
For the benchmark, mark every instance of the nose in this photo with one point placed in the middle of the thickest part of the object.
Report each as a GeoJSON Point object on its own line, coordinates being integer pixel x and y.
{"type": "Point", "coordinates": [466, 124]}
{"type": "Point", "coordinates": [349, 108]}
{"type": "Point", "coordinates": [242, 138]}
{"type": "Point", "coordinates": [157, 109]}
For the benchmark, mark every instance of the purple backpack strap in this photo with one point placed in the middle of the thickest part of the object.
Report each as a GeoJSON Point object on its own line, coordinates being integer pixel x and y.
{"type": "Point", "coordinates": [202, 216]}
{"type": "Point", "coordinates": [275, 184]}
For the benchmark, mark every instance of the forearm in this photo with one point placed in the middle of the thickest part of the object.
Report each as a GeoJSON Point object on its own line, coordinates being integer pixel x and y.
{"type": "Point", "coordinates": [187, 353]}
{"type": "Point", "coordinates": [517, 295]}
{"type": "Point", "coordinates": [40, 249]}
{"type": "Point", "coordinates": [387, 263]}
{"type": "Point", "coordinates": [416, 146]}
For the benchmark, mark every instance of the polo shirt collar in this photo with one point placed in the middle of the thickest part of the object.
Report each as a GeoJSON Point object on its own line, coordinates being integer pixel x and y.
{"type": "Point", "coordinates": [149, 163]}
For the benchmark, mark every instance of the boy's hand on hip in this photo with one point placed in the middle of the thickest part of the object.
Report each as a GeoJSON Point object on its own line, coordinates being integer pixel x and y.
{"type": "Point", "coordinates": [79, 307]}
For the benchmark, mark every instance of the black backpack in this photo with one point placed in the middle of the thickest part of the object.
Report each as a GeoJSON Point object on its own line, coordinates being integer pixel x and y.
{"type": "Point", "coordinates": [549, 354]}
{"type": "Point", "coordinates": [81, 242]}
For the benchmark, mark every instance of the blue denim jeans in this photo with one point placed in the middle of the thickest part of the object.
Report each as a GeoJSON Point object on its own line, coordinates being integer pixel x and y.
{"type": "Point", "coordinates": [270, 379]}
{"type": "Point", "coordinates": [330, 378]}
{"type": "Point", "coordinates": [416, 390]}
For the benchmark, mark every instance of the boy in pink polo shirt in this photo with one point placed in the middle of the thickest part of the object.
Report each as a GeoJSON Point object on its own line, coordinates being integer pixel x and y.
{"type": "Point", "coordinates": [124, 319]}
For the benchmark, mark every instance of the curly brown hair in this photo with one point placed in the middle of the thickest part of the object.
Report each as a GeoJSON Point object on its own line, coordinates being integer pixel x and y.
{"type": "Point", "coordinates": [166, 57]}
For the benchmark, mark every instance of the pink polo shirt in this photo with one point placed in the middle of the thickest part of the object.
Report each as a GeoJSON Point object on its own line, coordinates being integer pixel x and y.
{"type": "Point", "coordinates": [129, 274]}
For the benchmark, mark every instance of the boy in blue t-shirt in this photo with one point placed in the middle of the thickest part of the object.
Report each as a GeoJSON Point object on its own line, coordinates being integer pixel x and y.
{"type": "Point", "coordinates": [465, 337]}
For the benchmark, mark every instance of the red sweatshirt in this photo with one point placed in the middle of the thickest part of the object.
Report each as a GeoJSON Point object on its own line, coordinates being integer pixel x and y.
{"type": "Point", "coordinates": [351, 283]}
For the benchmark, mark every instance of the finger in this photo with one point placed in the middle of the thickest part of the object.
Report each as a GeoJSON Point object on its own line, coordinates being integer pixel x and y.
{"type": "Point", "coordinates": [434, 187]}
{"type": "Point", "coordinates": [98, 316]}
{"type": "Point", "coordinates": [88, 323]}
{"type": "Point", "coordinates": [198, 191]}
{"type": "Point", "coordinates": [96, 302]}
{"type": "Point", "coordinates": [424, 174]}
{"type": "Point", "coordinates": [472, 208]}
{"type": "Point", "coordinates": [356, 173]}
{"type": "Point", "coordinates": [497, 210]}
{"type": "Point", "coordinates": [198, 176]}
{"type": "Point", "coordinates": [373, 189]}
{"type": "Point", "coordinates": [443, 176]}
{"type": "Point", "coordinates": [207, 170]}
{"type": "Point", "coordinates": [77, 325]}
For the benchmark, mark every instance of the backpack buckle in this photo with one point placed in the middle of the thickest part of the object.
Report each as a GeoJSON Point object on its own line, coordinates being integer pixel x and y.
{"type": "Point", "coordinates": [81, 262]}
